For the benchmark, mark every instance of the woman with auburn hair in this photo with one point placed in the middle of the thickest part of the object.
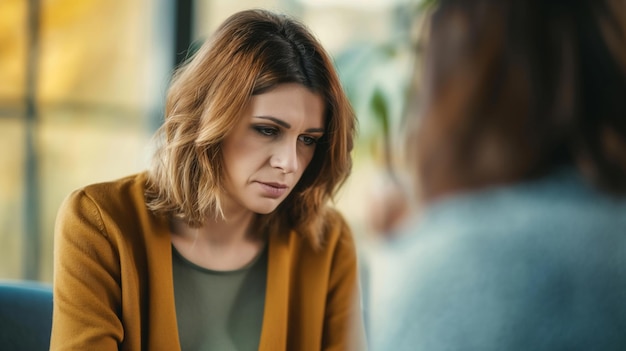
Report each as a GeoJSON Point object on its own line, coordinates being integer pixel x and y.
{"type": "Point", "coordinates": [519, 160]}
{"type": "Point", "coordinates": [227, 242]}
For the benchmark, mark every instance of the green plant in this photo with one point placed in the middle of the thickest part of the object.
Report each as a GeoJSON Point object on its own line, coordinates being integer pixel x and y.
{"type": "Point", "coordinates": [376, 76]}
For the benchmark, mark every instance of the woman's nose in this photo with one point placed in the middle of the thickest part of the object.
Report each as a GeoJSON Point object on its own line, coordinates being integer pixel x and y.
{"type": "Point", "coordinates": [285, 157]}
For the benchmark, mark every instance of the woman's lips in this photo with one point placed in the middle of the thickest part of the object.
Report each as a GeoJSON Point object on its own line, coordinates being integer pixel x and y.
{"type": "Point", "coordinates": [273, 190]}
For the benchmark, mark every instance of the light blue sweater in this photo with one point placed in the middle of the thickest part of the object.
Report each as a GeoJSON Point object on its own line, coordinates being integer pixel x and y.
{"type": "Point", "coordinates": [535, 266]}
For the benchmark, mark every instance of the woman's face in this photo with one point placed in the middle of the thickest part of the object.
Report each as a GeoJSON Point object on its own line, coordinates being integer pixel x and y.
{"type": "Point", "coordinates": [270, 147]}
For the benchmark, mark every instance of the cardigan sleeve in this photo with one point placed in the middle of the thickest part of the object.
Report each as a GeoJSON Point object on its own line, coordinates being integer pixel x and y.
{"type": "Point", "coordinates": [87, 294]}
{"type": "Point", "coordinates": [343, 326]}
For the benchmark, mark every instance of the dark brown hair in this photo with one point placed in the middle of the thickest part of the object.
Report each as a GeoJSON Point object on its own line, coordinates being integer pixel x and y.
{"type": "Point", "coordinates": [512, 89]}
{"type": "Point", "coordinates": [252, 52]}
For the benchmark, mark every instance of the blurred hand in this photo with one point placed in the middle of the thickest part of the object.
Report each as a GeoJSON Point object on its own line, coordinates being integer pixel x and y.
{"type": "Point", "coordinates": [389, 206]}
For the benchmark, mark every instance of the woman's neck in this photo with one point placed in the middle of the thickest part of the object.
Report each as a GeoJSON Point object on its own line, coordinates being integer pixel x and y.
{"type": "Point", "coordinates": [220, 243]}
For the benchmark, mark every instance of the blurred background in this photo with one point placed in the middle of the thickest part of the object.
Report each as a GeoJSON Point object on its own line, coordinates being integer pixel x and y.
{"type": "Point", "coordinates": [82, 85]}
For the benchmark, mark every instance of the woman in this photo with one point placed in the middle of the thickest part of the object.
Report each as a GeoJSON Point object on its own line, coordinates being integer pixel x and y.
{"type": "Point", "coordinates": [227, 242]}
{"type": "Point", "coordinates": [519, 161]}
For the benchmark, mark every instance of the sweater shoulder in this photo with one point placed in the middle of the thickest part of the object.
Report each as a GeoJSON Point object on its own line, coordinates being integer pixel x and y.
{"type": "Point", "coordinates": [121, 200]}
{"type": "Point", "coordinates": [120, 193]}
{"type": "Point", "coordinates": [337, 231]}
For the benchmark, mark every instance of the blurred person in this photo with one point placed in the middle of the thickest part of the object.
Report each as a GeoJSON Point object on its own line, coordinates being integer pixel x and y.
{"type": "Point", "coordinates": [227, 242]}
{"type": "Point", "coordinates": [519, 162]}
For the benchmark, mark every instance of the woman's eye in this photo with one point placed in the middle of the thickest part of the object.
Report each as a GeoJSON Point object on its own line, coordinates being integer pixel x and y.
{"type": "Point", "coordinates": [268, 131]}
{"type": "Point", "coordinates": [307, 140]}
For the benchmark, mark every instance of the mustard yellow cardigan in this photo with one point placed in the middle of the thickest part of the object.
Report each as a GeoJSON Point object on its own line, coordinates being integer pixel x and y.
{"type": "Point", "coordinates": [113, 286]}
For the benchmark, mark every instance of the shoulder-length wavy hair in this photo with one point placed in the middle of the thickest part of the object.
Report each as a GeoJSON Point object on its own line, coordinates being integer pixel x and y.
{"type": "Point", "coordinates": [512, 89]}
{"type": "Point", "coordinates": [252, 52]}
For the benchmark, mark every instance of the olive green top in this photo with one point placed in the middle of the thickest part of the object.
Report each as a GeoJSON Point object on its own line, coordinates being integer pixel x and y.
{"type": "Point", "coordinates": [219, 310]}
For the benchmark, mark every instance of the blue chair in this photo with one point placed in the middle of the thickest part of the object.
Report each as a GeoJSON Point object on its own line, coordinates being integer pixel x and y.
{"type": "Point", "coordinates": [25, 315]}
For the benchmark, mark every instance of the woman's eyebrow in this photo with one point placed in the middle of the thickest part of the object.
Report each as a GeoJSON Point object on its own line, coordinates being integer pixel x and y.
{"type": "Point", "coordinates": [276, 120]}
{"type": "Point", "coordinates": [315, 130]}
{"type": "Point", "coordinates": [287, 125]}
